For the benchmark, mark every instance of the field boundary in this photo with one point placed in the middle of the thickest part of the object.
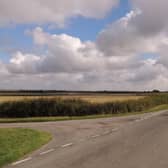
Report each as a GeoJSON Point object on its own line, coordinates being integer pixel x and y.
{"type": "Point", "coordinates": [54, 119]}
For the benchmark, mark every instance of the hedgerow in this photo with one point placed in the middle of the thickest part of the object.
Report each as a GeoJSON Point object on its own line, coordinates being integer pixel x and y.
{"type": "Point", "coordinates": [75, 107]}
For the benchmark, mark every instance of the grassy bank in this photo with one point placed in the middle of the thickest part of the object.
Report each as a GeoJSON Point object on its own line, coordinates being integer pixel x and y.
{"type": "Point", "coordinates": [17, 142]}
{"type": "Point", "coordinates": [47, 119]}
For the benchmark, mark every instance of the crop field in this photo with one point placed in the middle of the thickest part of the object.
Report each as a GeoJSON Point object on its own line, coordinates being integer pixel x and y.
{"type": "Point", "coordinates": [73, 105]}
{"type": "Point", "coordinates": [92, 98]}
{"type": "Point", "coordinates": [77, 105]}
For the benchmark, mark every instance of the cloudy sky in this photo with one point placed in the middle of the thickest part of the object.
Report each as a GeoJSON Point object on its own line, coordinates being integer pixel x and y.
{"type": "Point", "coordinates": [84, 44]}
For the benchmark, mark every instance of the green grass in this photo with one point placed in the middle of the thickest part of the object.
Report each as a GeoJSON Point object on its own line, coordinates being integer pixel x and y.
{"type": "Point", "coordinates": [47, 119]}
{"type": "Point", "coordinates": [17, 142]}
{"type": "Point", "coordinates": [159, 108]}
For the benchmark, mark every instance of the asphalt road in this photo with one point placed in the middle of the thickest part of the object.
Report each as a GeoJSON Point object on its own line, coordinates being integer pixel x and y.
{"type": "Point", "coordinates": [124, 142]}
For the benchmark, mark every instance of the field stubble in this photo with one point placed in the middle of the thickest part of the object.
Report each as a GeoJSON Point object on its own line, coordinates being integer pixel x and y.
{"type": "Point", "coordinates": [90, 98]}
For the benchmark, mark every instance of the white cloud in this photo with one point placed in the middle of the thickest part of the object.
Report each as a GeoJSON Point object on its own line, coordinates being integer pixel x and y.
{"type": "Point", "coordinates": [122, 38]}
{"type": "Point", "coordinates": [114, 61]}
{"type": "Point", "coordinates": [64, 54]}
{"type": "Point", "coordinates": [153, 18]}
{"type": "Point", "coordinates": [53, 12]}
{"type": "Point", "coordinates": [20, 63]}
{"type": "Point", "coordinates": [81, 65]}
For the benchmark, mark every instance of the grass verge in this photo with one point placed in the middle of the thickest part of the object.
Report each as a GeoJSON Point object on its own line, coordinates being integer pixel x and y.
{"type": "Point", "coordinates": [47, 119]}
{"type": "Point", "coordinates": [17, 142]}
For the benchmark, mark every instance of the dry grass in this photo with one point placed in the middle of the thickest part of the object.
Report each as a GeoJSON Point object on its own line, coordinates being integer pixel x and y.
{"type": "Point", "coordinates": [97, 98]}
{"type": "Point", "coordinates": [108, 98]}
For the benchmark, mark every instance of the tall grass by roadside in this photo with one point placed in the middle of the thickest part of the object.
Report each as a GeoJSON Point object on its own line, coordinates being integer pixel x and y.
{"type": "Point", "coordinates": [65, 118]}
{"type": "Point", "coordinates": [76, 107]}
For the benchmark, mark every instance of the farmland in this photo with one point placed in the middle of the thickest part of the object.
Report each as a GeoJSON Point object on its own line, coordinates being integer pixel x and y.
{"type": "Point", "coordinates": [92, 98]}
{"type": "Point", "coordinates": [36, 108]}
{"type": "Point", "coordinates": [73, 106]}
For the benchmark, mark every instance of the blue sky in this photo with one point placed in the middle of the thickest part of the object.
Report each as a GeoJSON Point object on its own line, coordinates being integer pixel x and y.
{"type": "Point", "coordinates": [87, 29]}
{"type": "Point", "coordinates": [81, 27]}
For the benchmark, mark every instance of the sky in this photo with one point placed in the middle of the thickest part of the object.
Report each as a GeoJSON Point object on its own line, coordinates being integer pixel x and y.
{"type": "Point", "coordinates": [84, 44]}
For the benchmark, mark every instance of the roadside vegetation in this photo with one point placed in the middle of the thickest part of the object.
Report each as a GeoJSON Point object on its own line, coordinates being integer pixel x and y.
{"type": "Point", "coordinates": [17, 142]}
{"type": "Point", "coordinates": [76, 107]}
{"type": "Point", "coordinates": [65, 118]}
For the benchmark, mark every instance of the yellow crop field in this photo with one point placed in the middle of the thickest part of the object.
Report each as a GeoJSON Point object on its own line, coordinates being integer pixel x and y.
{"type": "Point", "coordinates": [93, 98]}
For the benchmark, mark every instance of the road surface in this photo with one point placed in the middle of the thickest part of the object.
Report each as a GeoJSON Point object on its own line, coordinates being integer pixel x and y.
{"type": "Point", "coordinates": [139, 141]}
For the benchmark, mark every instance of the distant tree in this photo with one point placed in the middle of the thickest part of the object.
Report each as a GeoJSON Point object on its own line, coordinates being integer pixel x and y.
{"type": "Point", "coordinates": [156, 91]}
